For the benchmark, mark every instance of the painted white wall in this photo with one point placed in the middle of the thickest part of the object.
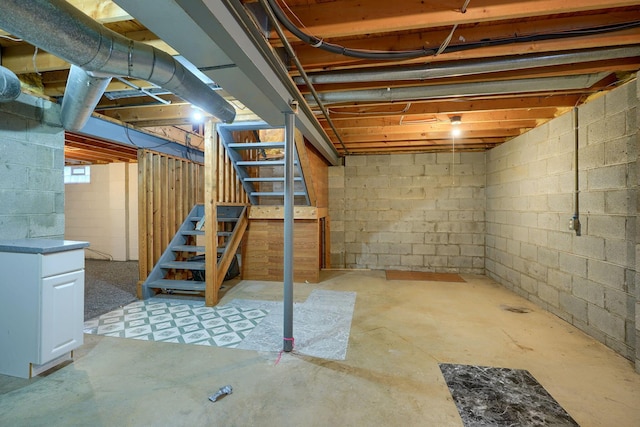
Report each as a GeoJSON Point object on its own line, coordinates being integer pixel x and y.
{"type": "Point", "coordinates": [105, 212]}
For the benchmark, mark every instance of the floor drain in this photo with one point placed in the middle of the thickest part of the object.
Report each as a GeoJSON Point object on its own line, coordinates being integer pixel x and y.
{"type": "Point", "coordinates": [512, 309]}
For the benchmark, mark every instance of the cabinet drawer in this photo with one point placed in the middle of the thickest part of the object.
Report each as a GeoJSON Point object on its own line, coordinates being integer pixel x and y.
{"type": "Point", "coordinates": [62, 262]}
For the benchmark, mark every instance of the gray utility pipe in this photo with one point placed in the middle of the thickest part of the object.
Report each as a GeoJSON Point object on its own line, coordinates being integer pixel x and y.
{"type": "Point", "coordinates": [9, 85]}
{"type": "Point", "coordinates": [61, 29]}
{"type": "Point", "coordinates": [462, 89]}
{"type": "Point", "coordinates": [465, 68]}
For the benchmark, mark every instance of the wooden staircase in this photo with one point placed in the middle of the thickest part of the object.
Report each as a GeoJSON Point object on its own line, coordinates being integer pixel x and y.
{"type": "Point", "coordinates": [174, 271]}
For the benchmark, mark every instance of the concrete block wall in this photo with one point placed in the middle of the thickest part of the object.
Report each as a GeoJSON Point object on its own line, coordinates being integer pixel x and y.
{"type": "Point", "coordinates": [105, 212]}
{"type": "Point", "coordinates": [31, 169]}
{"type": "Point", "coordinates": [588, 280]}
{"type": "Point", "coordinates": [422, 212]}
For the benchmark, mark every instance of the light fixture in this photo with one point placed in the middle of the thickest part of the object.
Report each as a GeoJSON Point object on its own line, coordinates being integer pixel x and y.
{"type": "Point", "coordinates": [456, 120]}
{"type": "Point", "coordinates": [456, 131]}
{"type": "Point", "coordinates": [196, 114]}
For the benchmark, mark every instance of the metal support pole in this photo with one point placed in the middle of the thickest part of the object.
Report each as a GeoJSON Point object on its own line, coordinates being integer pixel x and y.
{"type": "Point", "coordinates": [289, 144]}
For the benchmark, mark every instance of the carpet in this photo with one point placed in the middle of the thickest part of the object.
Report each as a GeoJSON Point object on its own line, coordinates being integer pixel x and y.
{"type": "Point", "coordinates": [423, 275]}
{"type": "Point", "coordinates": [108, 285]}
{"type": "Point", "coordinates": [487, 396]}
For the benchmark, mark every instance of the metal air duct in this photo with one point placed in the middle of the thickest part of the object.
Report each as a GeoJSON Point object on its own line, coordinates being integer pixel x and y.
{"type": "Point", "coordinates": [61, 29]}
{"type": "Point", "coordinates": [462, 89]}
{"type": "Point", "coordinates": [9, 85]}
{"type": "Point", "coordinates": [465, 68]}
{"type": "Point", "coordinates": [82, 94]}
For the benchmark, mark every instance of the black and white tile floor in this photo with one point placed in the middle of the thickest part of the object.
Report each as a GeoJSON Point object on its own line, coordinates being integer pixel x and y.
{"type": "Point", "coordinates": [178, 322]}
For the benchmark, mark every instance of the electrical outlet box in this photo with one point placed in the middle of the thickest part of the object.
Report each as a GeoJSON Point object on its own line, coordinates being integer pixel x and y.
{"type": "Point", "coordinates": [572, 224]}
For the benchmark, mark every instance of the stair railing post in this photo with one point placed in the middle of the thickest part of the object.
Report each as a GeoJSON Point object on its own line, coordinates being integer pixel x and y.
{"type": "Point", "coordinates": [289, 145]}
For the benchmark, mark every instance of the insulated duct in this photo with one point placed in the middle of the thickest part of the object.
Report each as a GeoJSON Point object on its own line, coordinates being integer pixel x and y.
{"type": "Point", "coordinates": [9, 85]}
{"type": "Point", "coordinates": [61, 29]}
{"type": "Point", "coordinates": [465, 68]}
{"type": "Point", "coordinates": [462, 89]}
{"type": "Point", "coordinates": [82, 94]}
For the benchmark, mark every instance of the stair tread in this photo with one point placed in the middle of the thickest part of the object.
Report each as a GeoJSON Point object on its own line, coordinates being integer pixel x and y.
{"type": "Point", "coordinates": [184, 285]}
{"type": "Point", "coordinates": [183, 265]}
{"type": "Point", "coordinates": [187, 248]}
{"type": "Point", "coordinates": [269, 179]}
{"type": "Point", "coordinates": [193, 232]}
{"type": "Point", "coordinates": [262, 163]}
{"type": "Point", "coordinates": [255, 145]}
{"type": "Point", "coordinates": [276, 193]}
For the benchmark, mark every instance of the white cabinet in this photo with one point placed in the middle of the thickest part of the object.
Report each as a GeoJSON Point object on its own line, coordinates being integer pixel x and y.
{"type": "Point", "coordinates": [41, 304]}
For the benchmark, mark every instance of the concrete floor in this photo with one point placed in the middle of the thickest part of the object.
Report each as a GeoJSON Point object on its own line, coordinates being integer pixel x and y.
{"type": "Point", "coordinates": [401, 330]}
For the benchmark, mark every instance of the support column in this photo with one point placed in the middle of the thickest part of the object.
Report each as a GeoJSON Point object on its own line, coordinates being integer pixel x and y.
{"type": "Point", "coordinates": [210, 212]}
{"type": "Point", "coordinates": [289, 144]}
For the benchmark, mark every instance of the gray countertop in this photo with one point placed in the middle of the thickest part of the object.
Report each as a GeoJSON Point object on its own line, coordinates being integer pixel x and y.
{"type": "Point", "coordinates": [40, 246]}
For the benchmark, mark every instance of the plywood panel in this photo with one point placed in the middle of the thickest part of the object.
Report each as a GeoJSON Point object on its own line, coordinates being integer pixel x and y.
{"type": "Point", "coordinates": [263, 251]}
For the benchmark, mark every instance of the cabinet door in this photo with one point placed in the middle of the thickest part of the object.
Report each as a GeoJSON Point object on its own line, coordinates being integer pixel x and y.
{"type": "Point", "coordinates": [62, 322]}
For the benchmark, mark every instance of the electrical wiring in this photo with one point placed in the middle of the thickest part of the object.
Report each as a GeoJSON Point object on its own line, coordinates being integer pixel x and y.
{"type": "Point", "coordinates": [319, 43]}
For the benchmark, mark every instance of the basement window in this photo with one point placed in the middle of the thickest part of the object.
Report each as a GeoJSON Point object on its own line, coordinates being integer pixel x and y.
{"type": "Point", "coordinates": [77, 174]}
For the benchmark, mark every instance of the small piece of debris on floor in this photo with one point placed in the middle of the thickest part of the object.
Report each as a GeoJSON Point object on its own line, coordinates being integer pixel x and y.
{"type": "Point", "coordinates": [222, 392]}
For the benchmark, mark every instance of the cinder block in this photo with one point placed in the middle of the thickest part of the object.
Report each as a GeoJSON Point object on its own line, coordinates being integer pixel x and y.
{"type": "Point", "coordinates": [620, 252]}
{"type": "Point", "coordinates": [472, 250]}
{"type": "Point", "coordinates": [619, 303]}
{"type": "Point", "coordinates": [591, 111]}
{"type": "Point", "coordinates": [425, 159]}
{"type": "Point", "coordinates": [620, 99]}
{"type": "Point", "coordinates": [548, 294]}
{"type": "Point", "coordinates": [617, 150]}
{"type": "Point", "coordinates": [609, 177]}
{"type": "Point", "coordinates": [589, 246]}
{"type": "Point", "coordinates": [402, 160]}
{"type": "Point", "coordinates": [388, 261]}
{"type": "Point", "coordinates": [448, 250]}
{"type": "Point", "coordinates": [352, 161]}
{"type": "Point", "coordinates": [559, 280]}
{"type": "Point", "coordinates": [608, 226]}
{"type": "Point", "coordinates": [588, 290]}
{"type": "Point", "coordinates": [573, 264]}
{"type": "Point", "coordinates": [528, 284]}
{"type": "Point", "coordinates": [412, 260]}
{"type": "Point", "coordinates": [378, 160]}
{"type": "Point", "coordinates": [46, 226]}
{"type": "Point", "coordinates": [606, 273]}
{"type": "Point", "coordinates": [606, 322]}
{"type": "Point", "coordinates": [615, 125]}
{"type": "Point", "coordinates": [573, 305]}
{"type": "Point", "coordinates": [13, 226]}
{"type": "Point", "coordinates": [593, 201]}
{"type": "Point", "coordinates": [424, 249]}
{"type": "Point", "coordinates": [619, 201]}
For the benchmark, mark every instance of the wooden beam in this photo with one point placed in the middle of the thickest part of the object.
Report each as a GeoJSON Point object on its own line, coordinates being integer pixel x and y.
{"type": "Point", "coordinates": [380, 16]}
{"type": "Point", "coordinates": [210, 212]}
{"type": "Point", "coordinates": [430, 107]}
{"type": "Point", "coordinates": [315, 60]}
{"type": "Point", "coordinates": [467, 117]}
{"type": "Point", "coordinates": [421, 136]}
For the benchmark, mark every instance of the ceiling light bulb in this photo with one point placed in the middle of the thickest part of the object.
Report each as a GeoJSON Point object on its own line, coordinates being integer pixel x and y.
{"type": "Point", "coordinates": [456, 131]}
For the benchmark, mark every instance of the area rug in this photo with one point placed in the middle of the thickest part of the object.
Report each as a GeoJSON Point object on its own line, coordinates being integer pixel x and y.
{"type": "Point", "coordinates": [423, 275]}
{"type": "Point", "coordinates": [487, 396]}
{"type": "Point", "coordinates": [321, 324]}
{"type": "Point", "coordinates": [178, 322]}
